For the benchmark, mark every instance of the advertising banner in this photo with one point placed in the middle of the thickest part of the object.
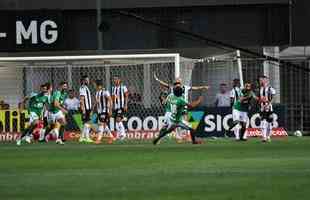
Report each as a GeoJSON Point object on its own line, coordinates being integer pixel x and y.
{"type": "Point", "coordinates": [206, 121]}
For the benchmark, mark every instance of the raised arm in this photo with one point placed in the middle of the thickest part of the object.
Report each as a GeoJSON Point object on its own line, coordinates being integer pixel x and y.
{"type": "Point", "coordinates": [200, 87]}
{"type": "Point", "coordinates": [162, 83]}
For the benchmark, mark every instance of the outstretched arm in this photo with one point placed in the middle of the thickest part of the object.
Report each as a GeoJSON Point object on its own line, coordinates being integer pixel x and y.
{"type": "Point", "coordinates": [200, 87]}
{"type": "Point", "coordinates": [162, 83]}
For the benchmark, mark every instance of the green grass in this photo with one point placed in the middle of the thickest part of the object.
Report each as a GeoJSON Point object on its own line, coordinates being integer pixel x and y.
{"type": "Point", "coordinates": [218, 169]}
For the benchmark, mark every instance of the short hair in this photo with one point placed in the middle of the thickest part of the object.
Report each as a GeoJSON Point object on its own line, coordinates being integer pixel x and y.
{"type": "Point", "coordinates": [99, 82]}
{"type": "Point", "coordinates": [48, 85]}
{"type": "Point", "coordinates": [236, 80]}
{"type": "Point", "coordinates": [70, 90]}
{"type": "Point", "coordinates": [263, 76]}
{"type": "Point", "coordinates": [43, 85]}
{"type": "Point", "coordinates": [223, 84]}
{"type": "Point", "coordinates": [63, 83]}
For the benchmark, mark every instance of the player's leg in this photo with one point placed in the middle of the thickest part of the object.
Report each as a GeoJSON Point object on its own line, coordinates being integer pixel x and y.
{"type": "Point", "coordinates": [236, 127]}
{"type": "Point", "coordinates": [85, 136]}
{"type": "Point", "coordinates": [264, 125]}
{"type": "Point", "coordinates": [243, 122]}
{"type": "Point", "coordinates": [33, 119]}
{"type": "Point", "coordinates": [269, 127]}
{"type": "Point", "coordinates": [166, 129]}
{"type": "Point", "coordinates": [188, 128]}
{"type": "Point", "coordinates": [103, 128]}
{"type": "Point", "coordinates": [119, 126]}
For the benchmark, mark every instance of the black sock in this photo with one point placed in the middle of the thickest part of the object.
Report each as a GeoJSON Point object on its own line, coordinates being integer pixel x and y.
{"type": "Point", "coordinates": [162, 133]}
{"type": "Point", "coordinates": [242, 132]}
{"type": "Point", "coordinates": [61, 132]}
{"type": "Point", "coordinates": [193, 137]}
{"type": "Point", "coordinates": [233, 125]}
{"type": "Point", "coordinates": [28, 131]}
{"type": "Point", "coordinates": [47, 131]}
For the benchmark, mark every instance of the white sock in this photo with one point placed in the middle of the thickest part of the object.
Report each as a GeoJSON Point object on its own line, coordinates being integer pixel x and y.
{"type": "Point", "coordinates": [120, 130]}
{"type": "Point", "coordinates": [264, 127]}
{"type": "Point", "coordinates": [85, 132]}
{"type": "Point", "coordinates": [42, 133]}
{"type": "Point", "coordinates": [237, 132]}
{"type": "Point", "coordinates": [178, 133]}
{"type": "Point", "coordinates": [269, 125]}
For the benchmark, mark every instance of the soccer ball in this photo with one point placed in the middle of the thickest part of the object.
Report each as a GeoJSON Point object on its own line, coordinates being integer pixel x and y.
{"type": "Point", "coordinates": [298, 133]}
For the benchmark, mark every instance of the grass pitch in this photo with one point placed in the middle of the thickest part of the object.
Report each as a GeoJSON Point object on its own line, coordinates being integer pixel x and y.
{"type": "Point", "coordinates": [218, 169]}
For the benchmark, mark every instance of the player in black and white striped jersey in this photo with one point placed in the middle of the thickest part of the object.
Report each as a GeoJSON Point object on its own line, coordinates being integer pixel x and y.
{"type": "Point", "coordinates": [120, 106]}
{"type": "Point", "coordinates": [266, 94]}
{"type": "Point", "coordinates": [104, 110]}
{"type": "Point", "coordinates": [86, 108]}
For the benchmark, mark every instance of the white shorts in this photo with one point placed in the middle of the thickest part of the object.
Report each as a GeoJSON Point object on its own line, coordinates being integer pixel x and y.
{"type": "Point", "coordinates": [167, 118]}
{"type": "Point", "coordinates": [33, 117]}
{"type": "Point", "coordinates": [240, 116]}
{"type": "Point", "coordinates": [53, 117]}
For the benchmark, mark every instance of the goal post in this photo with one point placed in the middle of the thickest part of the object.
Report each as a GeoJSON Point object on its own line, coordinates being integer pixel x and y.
{"type": "Point", "coordinates": [136, 70]}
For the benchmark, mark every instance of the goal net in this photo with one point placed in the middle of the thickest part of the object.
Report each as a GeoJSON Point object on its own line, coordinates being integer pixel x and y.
{"type": "Point", "coordinates": [136, 72]}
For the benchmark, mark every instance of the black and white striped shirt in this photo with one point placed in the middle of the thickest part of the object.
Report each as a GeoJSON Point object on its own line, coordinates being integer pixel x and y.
{"type": "Point", "coordinates": [102, 101]}
{"type": "Point", "coordinates": [84, 91]}
{"type": "Point", "coordinates": [119, 96]}
{"type": "Point", "coordinates": [235, 93]}
{"type": "Point", "coordinates": [267, 92]}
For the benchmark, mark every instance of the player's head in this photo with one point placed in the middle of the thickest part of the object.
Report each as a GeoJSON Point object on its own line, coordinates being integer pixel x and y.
{"type": "Point", "coordinates": [43, 88]}
{"type": "Point", "coordinates": [71, 94]}
{"type": "Point", "coordinates": [49, 87]}
{"type": "Point", "coordinates": [263, 80]}
{"type": "Point", "coordinates": [99, 84]}
{"type": "Point", "coordinates": [117, 80]}
{"type": "Point", "coordinates": [178, 91]}
{"type": "Point", "coordinates": [248, 86]}
{"type": "Point", "coordinates": [236, 82]}
{"type": "Point", "coordinates": [63, 86]}
{"type": "Point", "coordinates": [178, 82]}
{"type": "Point", "coordinates": [223, 87]}
{"type": "Point", "coordinates": [85, 80]}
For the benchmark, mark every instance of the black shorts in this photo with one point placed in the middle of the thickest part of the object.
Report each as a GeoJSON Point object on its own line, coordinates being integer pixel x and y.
{"type": "Point", "coordinates": [103, 117]}
{"type": "Point", "coordinates": [86, 116]}
{"type": "Point", "coordinates": [267, 115]}
{"type": "Point", "coordinates": [119, 113]}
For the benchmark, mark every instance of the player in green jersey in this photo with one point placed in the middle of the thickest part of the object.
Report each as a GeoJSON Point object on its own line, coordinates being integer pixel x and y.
{"type": "Point", "coordinates": [177, 106]}
{"type": "Point", "coordinates": [58, 112]}
{"type": "Point", "coordinates": [241, 108]}
{"type": "Point", "coordinates": [35, 106]}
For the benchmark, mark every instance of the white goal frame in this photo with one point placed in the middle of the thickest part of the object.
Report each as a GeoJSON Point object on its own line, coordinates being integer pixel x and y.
{"type": "Point", "coordinates": [175, 56]}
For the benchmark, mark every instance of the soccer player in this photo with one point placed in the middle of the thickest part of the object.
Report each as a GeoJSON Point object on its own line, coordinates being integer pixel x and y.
{"type": "Point", "coordinates": [86, 109]}
{"type": "Point", "coordinates": [57, 111]}
{"type": "Point", "coordinates": [186, 89]}
{"type": "Point", "coordinates": [241, 108]}
{"type": "Point", "coordinates": [177, 105]}
{"type": "Point", "coordinates": [35, 109]}
{"type": "Point", "coordinates": [234, 97]}
{"type": "Point", "coordinates": [266, 94]}
{"type": "Point", "coordinates": [178, 82]}
{"type": "Point", "coordinates": [104, 111]}
{"type": "Point", "coordinates": [120, 106]}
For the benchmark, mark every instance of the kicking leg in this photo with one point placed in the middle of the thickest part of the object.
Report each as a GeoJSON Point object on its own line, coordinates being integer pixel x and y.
{"type": "Point", "coordinates": [162, 133]}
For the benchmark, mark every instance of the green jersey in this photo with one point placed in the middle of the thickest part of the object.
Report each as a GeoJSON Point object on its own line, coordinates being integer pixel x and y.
{"type": "Point", "coordinates": [244, 105]}
{"type": "Point", "coordinates": [167, 103]}
{"type": "Point", "coordinates": [59, 96]}
{"type": "Point", "coordinates": [177, 107]}
{"type": "Point", "coordinates": [37, 103]}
